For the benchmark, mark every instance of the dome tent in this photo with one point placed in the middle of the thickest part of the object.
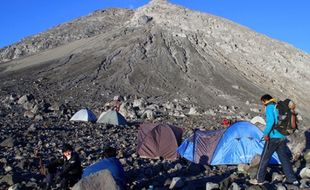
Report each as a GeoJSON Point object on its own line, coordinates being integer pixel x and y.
{"type": "Point", "coordinates": [237, 144]}
{"type": "Point", "coordinates": [159, 140]}
{"type": "Point", "coordinates": [84, 115]}
{"type": "Point", "coordinates": [112, 117]}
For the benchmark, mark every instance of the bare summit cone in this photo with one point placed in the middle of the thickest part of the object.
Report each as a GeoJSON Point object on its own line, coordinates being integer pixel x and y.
{"type": "Point", "coordinates": [160, 50]}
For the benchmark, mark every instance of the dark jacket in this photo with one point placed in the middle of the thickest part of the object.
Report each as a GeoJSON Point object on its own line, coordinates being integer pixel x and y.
{"type": "Point", "coordinates": [71, 167]}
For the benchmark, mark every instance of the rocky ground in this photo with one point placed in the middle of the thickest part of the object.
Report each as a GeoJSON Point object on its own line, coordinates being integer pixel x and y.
{"type": "Point", "coordinates": [188, 68]}
{"type": "Point", "coordinates": [32, 129]}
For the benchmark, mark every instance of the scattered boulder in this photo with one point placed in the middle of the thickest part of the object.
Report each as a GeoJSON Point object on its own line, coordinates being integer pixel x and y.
{"type": "Point", "coordinates": [29, 114]}
{"type": "Point", "coordinates": [25, 98]}
{"type": "Point", "coordinates": [8, 142]}
{"type": "Point", "coordinates": [144, 19]}
{"type": "Point", "coordinates": [15, 187]}
{"type": "Point", "coordinates": [193, 111]}
{"type": "Point", "coordinates": [148, 114]}
{"type": "Point", "coordinates": [305, 173]}
{"type": "Point", "coordinates": [212, 186]}
{"type": "Point", "coordinates": [277, 177]}
{"type": "Point", "coordinates": [243, 168]}
{"type": "Point", "coordinates": [7, 179]}
{"type": "Point", "coordinates": [176, 182]}
{"type": "Point", "coordinates": [8, 169]}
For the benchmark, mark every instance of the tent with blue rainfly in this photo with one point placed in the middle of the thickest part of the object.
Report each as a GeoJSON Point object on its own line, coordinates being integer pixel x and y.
{"type": "Point", "coordinates": [112, 117]}
{"type": "Point", "coordinates": [84, 115]}
{"type": "Point", "coordinates": [112, 164]}
{"type": "Point", "coordinates": [237, 144]}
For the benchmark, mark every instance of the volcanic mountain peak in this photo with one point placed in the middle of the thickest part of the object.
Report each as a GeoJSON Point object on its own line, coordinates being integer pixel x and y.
{"type": "Point", "coordinates": [162, 49]}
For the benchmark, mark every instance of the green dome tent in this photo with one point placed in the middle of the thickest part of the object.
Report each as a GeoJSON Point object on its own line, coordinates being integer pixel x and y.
{"type": "Point", "coordinates": [112, 117]}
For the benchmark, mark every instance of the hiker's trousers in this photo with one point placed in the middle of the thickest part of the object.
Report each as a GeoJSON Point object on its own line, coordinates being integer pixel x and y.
{"type": "Point", "coordinates": [279, 146]}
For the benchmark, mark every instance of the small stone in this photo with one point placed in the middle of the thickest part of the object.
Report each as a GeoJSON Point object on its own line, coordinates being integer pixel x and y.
{"type": "Point", "coordinates": [3, 160]}
{"type": "Point", "coordinates": [8, 169]}
{"type": "Point", "coordinates": [193, 111]}
{"type": "Point", "coordinates": [235, 186]}
{"type": "Point", "coordinates": [32, 128]}
{"type": "Point", "coordinates": [8, 142]}
{"type": "Point", "coordinates": [236, 87]}
{"type": "Point", "coordinates": [23, 99]}
{"type": "Point", "coordinates": [29, 114]}
{"type": "Point", "coordinates": [243, 168]}
{"type": "Point", "coordinates": [305, 173]}
{"type": "Point", "coordinates": [281, 187]}
{"type": "Point", "coordinates": [7, 179]}
{"type": "Point", "coordinates": [167, 182]}
{"type": "Point", "coordinates": [38, 118]}
{"type": "Point", "coordinates": [255, 160]}
{"type": "Point", "coordinates": [35, 109]}
{"type": "Point", "coordinates": [176, 182]}
{"type": "Point", "coordinates": [178, 167]}
{"type": "Point", "coordinates": [15, 187]}
{"type": "Point", "coordinates": [277, 177]}
{"type": "Point", "coordinates": [307, 156]}
{"type": "Point", "coordinates": [212, 186]}
{"type": "Point", "coordinates": [255, 110]}
{"type": "Point", "coordinates": [123, 161]}
{"type": "Point", "coordinates": [28, 106]}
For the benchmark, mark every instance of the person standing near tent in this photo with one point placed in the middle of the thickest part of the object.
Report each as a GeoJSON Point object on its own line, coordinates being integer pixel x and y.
{"type": "Point", "coordinates": [116, 103]}
{"type": "Point", "coordinates": [71, 169]}
{"type": "Point", "coordinates": [274, 142]}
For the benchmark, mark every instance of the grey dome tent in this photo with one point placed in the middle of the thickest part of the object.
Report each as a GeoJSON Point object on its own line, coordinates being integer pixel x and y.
{"type": "Point", "coordinates": [112, 117]}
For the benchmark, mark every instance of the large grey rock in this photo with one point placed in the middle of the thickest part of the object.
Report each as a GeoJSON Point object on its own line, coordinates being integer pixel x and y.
{"type": "Point", "coordinates": [8, 142]}
{"type": "Point", "coordinates": [8, 178]}
{"type": "Point", "coordinates": [305, 172]}
{"type": "Point", "coordinates": [101, 180]}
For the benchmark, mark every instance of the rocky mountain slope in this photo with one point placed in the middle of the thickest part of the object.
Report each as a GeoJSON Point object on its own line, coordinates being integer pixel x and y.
{"type": "Point", "coordinates": [160, 49]}
{"type": "Point", "coordinates": [170, 64]}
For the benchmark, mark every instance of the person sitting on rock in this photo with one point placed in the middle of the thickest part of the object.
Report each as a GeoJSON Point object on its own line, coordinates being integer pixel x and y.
{"type": "Point", "coordinates": [111, 163]}
{"type": "Point", "coordinates": [71, 169]}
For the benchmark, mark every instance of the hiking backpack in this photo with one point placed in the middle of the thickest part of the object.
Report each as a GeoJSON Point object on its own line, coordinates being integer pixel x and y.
{"type": "Point", "coordinates": [287, 120]}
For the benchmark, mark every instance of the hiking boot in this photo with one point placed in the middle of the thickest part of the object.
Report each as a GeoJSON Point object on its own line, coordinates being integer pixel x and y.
{"type": "Point", "coordinates": [255, 182]}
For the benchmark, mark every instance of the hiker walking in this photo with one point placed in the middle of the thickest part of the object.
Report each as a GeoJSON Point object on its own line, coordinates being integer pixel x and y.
{"type": "Point", "coordinates": [71, 169]}
{"type": "Point", "coordinates": [274, 142]}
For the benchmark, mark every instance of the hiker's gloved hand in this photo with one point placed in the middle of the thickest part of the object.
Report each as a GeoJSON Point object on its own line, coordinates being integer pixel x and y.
{"type": "Point", "coordinates": [266, 138]}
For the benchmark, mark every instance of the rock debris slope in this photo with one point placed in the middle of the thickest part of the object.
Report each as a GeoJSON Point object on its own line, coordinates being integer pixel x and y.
{"type": "Point", "coordinates": [161, 50]}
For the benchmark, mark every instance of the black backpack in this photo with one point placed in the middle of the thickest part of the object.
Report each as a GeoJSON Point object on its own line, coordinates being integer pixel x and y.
{"type": "Point", "coordinates": [287, 120]}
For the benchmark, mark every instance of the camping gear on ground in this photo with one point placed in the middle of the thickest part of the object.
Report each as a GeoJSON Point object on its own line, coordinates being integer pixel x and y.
{"type": "Point", "coordinates": [226, 122]}
{"type": "Point", "coordinates": [84, 115]}
{"type": "Point", "coordinates": [159, 141]}
{"type": "Point", "coordinates": [112, 117]}
{"type": "Point", "coordinates": [112, 164]}
{"type": "Point", "coordinates": [237, 144]}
